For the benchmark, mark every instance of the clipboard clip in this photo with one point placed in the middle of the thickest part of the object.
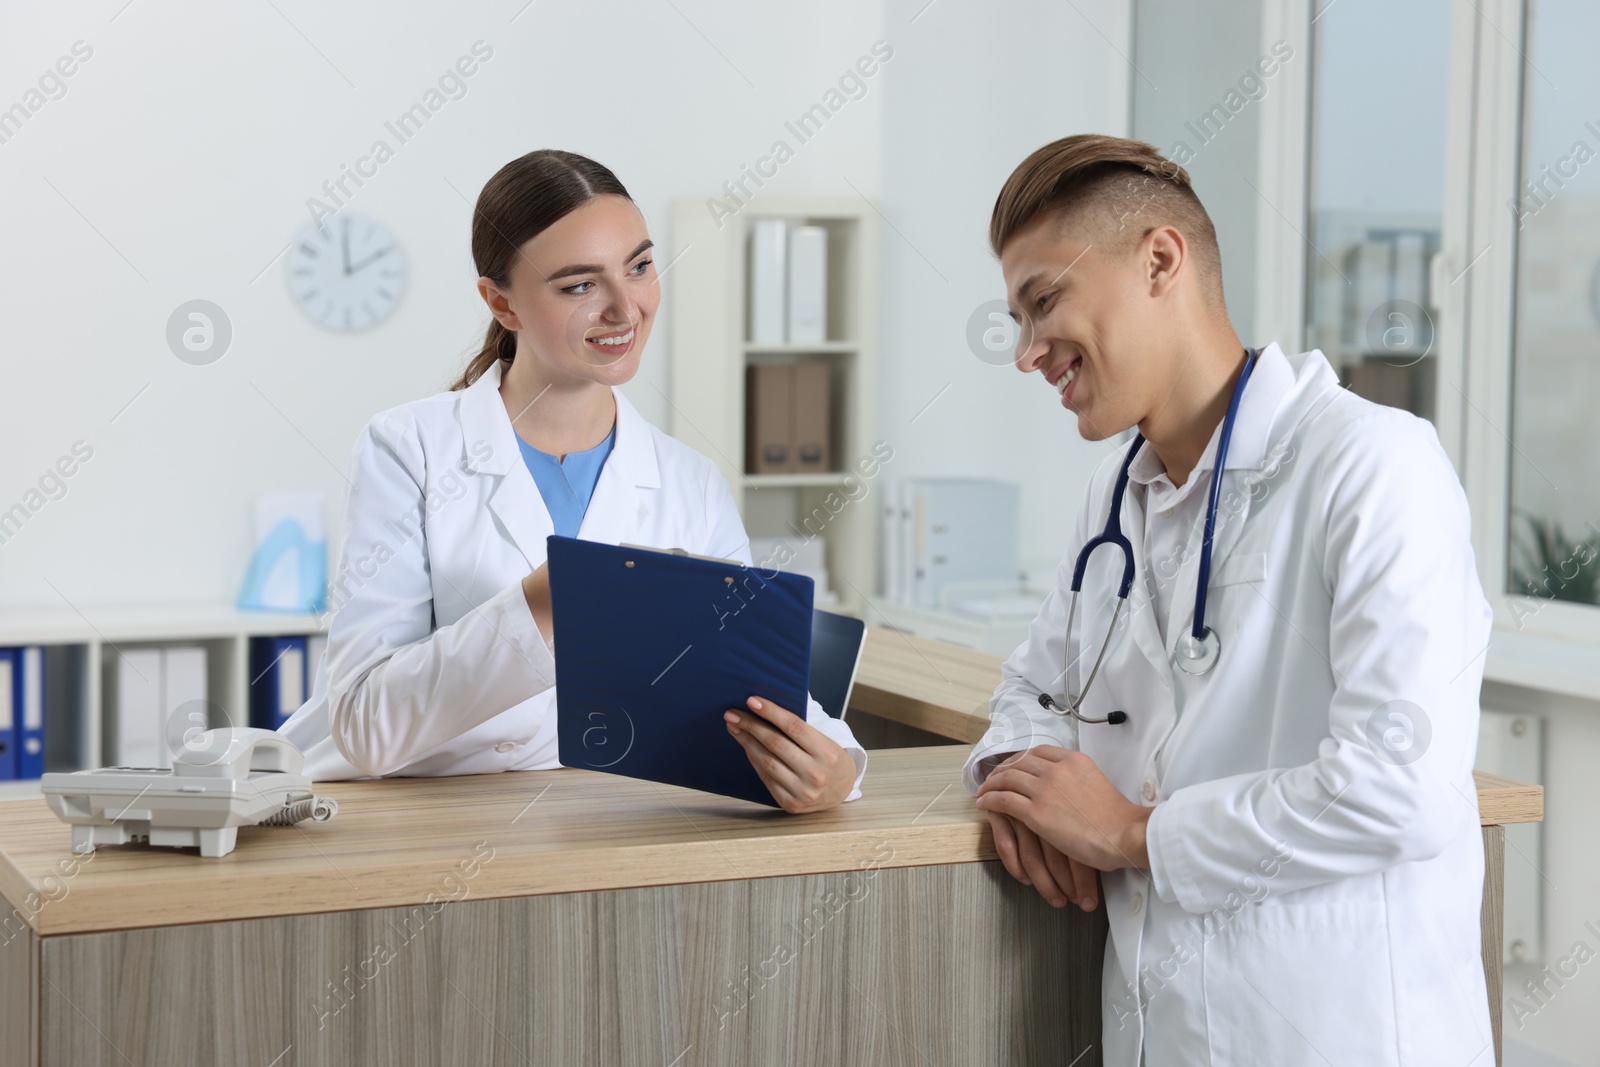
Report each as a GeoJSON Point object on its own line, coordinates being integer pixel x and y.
{"type": "Point", "coordinates": [681, 552]}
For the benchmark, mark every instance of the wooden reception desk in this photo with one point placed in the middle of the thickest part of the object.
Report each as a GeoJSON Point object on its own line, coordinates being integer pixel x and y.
{"type": "Point", "coordinates": [549, 917]}
{"type": "Point", "coordinates": [568, 917]}
{"type": "Point", "coordinates": [914, 691]}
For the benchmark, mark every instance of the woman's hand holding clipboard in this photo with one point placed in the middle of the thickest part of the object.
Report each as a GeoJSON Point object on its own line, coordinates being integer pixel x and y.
{"type": "Point", "coordinates": [660, 653]}
{"type": "Point", "coordinates": [804, 768]}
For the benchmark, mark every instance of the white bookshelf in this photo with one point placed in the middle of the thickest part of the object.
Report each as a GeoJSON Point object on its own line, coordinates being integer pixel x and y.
{"type": "Point", "coordinates": [81, 648]}
{"type": "Point", "coordinates": [710, 350]}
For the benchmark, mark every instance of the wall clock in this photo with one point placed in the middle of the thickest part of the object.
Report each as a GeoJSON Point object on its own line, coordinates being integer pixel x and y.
{"type": "Point", "coordinates": [346, 272]}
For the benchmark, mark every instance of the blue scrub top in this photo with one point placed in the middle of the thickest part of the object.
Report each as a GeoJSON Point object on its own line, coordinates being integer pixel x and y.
{"type": "Point", "coordinates": [566, 486]}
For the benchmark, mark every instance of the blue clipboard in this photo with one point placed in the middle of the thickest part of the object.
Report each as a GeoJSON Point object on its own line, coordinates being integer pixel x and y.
{"type": "Point", "coordinates": [652, 646]}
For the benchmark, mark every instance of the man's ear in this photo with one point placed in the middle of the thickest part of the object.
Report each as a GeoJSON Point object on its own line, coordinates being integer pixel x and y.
{"type": "Point", "coordinates": [1165, 255]}
{"type": "Point", "coordinates": [499, 306]}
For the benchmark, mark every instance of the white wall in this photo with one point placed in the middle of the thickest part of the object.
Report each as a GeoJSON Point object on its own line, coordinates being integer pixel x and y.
{"type": "Point", "coordinates": [178, 164]}
{"type": "Point", "coordinates": [179, 161]}
{"type": "Point", "coordinates": [1190, 57]}
{"type": "Point", "coordinates": [974, 89]}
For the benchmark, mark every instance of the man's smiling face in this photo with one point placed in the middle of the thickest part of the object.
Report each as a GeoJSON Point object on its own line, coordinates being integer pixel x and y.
{"type": "Point", "coordinates": [1084, 320]}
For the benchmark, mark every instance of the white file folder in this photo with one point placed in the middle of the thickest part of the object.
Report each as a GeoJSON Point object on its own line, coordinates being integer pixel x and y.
{"type": "Point", "coordinates": [808, 285]}
{"type": "Point", "coordinates": [135, 726]}
{"type": "Point", "coordinates": [768, 284]}
{"type": "Point", "coordinates": [183, 702]}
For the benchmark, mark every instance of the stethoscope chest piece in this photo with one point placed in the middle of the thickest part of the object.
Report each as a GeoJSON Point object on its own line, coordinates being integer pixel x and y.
{"type": "Point", "coordinates": [1198, 655]}
{"type": "Point", "coordinates": [1198, 649]}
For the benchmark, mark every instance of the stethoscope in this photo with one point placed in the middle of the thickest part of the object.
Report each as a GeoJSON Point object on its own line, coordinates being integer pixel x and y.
{"type": "Point", "coordinates": [1198, 649]}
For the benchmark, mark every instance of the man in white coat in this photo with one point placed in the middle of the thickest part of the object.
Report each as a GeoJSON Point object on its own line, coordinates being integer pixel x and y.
{"type": "Point", "coordinates": [1288, 844]}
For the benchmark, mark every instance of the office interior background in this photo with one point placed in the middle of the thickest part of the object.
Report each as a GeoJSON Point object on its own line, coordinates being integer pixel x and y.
{"type": "Point", "coordinates": [1411, 189]}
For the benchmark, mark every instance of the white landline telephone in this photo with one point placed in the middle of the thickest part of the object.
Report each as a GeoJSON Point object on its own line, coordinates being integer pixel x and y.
{"type": "Point", "coordinates": [222, 780]}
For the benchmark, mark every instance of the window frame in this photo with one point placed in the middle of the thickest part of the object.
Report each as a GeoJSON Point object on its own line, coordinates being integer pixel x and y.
{"type": "Point", "coordinates": [1536, 642]}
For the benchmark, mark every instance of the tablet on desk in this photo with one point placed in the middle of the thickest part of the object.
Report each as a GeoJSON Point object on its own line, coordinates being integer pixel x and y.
{"type": "Point", "coordinates": [652, 646]}
{"type": "Point", "coordinates": [836, 643]}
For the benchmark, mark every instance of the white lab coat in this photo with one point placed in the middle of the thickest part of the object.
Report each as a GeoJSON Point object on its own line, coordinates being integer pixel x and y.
{"type": "Point", "coordinates": [1314, 890]}
{"type": "Point", "coordinates": [434, 665]}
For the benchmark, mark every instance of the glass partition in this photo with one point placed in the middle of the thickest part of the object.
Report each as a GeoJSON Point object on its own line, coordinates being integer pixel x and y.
{"type": "Point", "coordinates": [1379, 103]}
{"type": "Point", "coordinates": [1554, 533]}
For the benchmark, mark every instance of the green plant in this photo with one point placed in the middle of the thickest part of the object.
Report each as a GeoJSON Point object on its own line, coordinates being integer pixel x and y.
{"type": "Point", "coordinates": [1554, 566]}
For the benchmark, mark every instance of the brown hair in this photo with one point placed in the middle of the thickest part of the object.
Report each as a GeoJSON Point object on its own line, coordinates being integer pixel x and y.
{"type": "Point", "coordinates": [1103, 182]}
{"type": "Point", "coordinates": [522, 199]}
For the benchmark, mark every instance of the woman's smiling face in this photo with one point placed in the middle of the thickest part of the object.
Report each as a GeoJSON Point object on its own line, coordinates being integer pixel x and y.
{"type": "Point", "coordinates": [583, 293]}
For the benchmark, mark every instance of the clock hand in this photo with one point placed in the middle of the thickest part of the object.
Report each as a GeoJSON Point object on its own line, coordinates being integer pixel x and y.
{"type": "Point", "coordinates": [370, 259]}
{"type": "Point", "coordinates": [344, 243]}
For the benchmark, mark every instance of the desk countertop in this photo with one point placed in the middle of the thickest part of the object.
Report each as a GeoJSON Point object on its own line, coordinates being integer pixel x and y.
{"type": "Point", "coordinates": [407, 841]}
{"type": "Point", "coordinates": [395, 841]}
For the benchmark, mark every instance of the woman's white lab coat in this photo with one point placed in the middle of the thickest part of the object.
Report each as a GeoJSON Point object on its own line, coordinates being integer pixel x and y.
{"type": "Point", "coordinates": [1316, 859]}
{"type": "Point", "coordinates": [434, 665]}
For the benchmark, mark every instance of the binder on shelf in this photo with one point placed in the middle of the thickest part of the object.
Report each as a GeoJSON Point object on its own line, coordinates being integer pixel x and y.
{"type": "Point", "coordinates": [809, 419]}
{"type": "Point", "coordinates": [962, 530]}
{"type": "Point", "coordinates": [768, 281]}
{"type": "Point", "coordinates": [808, 284]}
{"type": "Point", "coordinates": [316, 650]}
{"type": "Point", "coordinates": [1370, 262]}
{"type": "Point", "coordinates": [277, 679]}
{"type": "Point", "coordinates": [1411, 283]}
{"type": "Point", "coordinates": [908, 533]}
{"type": "Point", "coordinates": [769, 414]}
{"type": "Point", "coordinates": [8, 714]}
{"type": "Point", "coordinates": [134, 726]}
{"type": "Point", "coordinates": [892, 541]}
{"type": "Point", "coordinates": [156, 694]}
{"type": "Point", "coordinates": [29, 705]}
{"type": "Point", "coordinates": [183, 696]}
{"type": "Point", "coordinates": [788, 418]}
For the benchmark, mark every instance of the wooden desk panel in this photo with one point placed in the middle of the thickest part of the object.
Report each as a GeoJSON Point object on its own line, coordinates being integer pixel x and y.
{"type": "Point", "coordinates": [944, 964]}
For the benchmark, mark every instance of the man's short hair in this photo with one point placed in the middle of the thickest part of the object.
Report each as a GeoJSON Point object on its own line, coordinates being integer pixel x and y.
{"type": "Point", "coordinates": [1113, 191]}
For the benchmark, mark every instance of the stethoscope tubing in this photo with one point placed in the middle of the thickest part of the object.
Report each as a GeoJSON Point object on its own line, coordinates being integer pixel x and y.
{"type": "Point", "coordinates": [1214, 495]}
{"type": "Point", "coordinates": [1199, 634]}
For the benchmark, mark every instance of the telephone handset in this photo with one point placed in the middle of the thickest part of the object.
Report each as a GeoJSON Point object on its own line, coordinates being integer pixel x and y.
{"type": "Point", "coordinates": [221, 780]}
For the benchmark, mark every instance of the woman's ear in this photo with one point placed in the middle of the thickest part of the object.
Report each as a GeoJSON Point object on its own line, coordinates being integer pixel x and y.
{"type": "Point", "coordinates": [499, 303]}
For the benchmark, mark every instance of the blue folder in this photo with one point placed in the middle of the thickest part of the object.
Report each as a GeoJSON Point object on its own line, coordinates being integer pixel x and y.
{"type": "Point", "coordinates": [28, 708]}
{"type": "Point", "coordinates": [270, 683]}
{"type": "Point", "coordinates": [652, 647]}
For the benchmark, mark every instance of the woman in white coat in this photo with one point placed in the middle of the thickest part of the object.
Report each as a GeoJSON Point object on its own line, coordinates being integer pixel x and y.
{"type": "Point", "coordinates": [1288, 845]}
{"type": "Point", "coordinates": [439, 656]}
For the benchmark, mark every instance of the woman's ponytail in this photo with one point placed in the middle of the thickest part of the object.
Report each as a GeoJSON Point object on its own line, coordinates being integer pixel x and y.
{"type": "Point", "coordinates": [498, 343]}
